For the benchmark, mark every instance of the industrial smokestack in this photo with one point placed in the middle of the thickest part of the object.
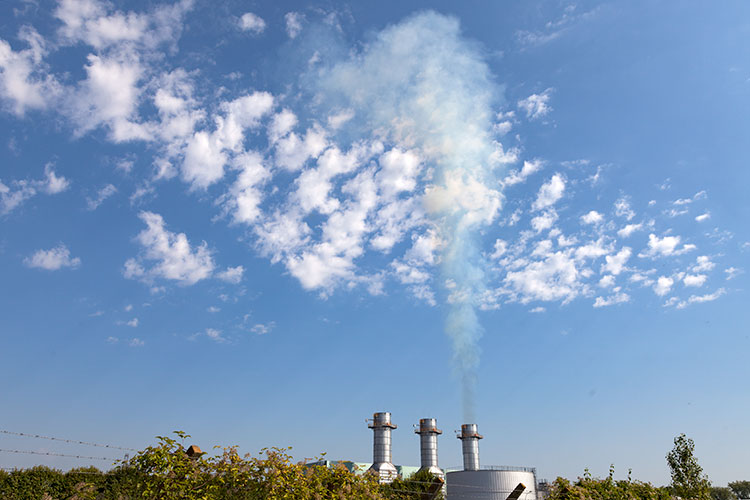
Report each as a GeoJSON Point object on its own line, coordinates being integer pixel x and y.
{"type": "Point", "coordinates": [428, 433]}
{"type": "Point", "coordinates": [381, 449]}
{"type": "Point", "coordinates": [470, 443]}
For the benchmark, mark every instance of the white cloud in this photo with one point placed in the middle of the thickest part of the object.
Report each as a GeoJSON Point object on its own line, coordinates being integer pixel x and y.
{"type": "Point", "coordinates": [553, 278]}
{"type": "Point", "coordinates": [538, 309]}
{"type": "Point", "coordinates": [215, 335]}
{"type": "Point", "coordinates": [54, 184]}
{"type": "Point", "coordinates": [629, 229]}
{"type": "Point", "coordinates": [622, 208]}
{"type": "Point", "coordinates": [550, 192]}
{"type": "Point", "coordinates": [617, 298]}
{"type": "Point", "coordinates": [593, 217]}
{"type": "Point", "coordinates": [262, 329]}
{"type": "Point", "coordinates": [252, 22]}
{"type": "Point", "coordinates": [13, 197]}
{"type": "Point", "coordinates": [90, 21]}
{"type": "Point", "coordinates": [663, 285]}
{"type": "Point", "coordinates": [24, 83]}
{"type": "Point", "coordinates": [206, 154]}
{"type": "Point", "coordinates": [291, 152]}
{"type": "Point", "coordinates": [133, 323]}
{"type": "Point", "coordinates": [607, 281]}
{"type": "Point", "coordinates": [616, 263]}
{"type": "Point", "coordinates": [170, 253]}
{"type": "Point", "coordinates": [281, 124]}
{"type": "Point", "coordinates": [101, 195]}
{"type": "Point", "coordinates": [245, 196]}
{"type": "Point", "coordinates": [136, 342]}
{"type": "Point", "coordinates": [10, 199]}
{"type": "Point", "coordinates": [666, 246]}
{"type": "Point", "coordinates": [109, 96]}
{"type": "Point", "coordinates": [53, 259]}
{"type": "Point", "coordinates": [128, 308]}
{"type": "Point", "coordinates": [702, 217]}
{"type": "Point", "coordinates": [231, 274]}
{"type": "Point", "coordinates": [518, 176]}
{"type": "Point", "coordinates": [732, 272]}
{"type": "Point", "coordinates": [702, 264]}
{"type": "Point", "coordinates": [698, 299]}
{"type": "Point", "coordinates": [694, 279]}
{"type": "Point", "coordinates": [213, 309]}
{"type": "Point", "coordinates": [536, 105]}
{"type": "Point", "coordinates": [294, 22]}
{"type": "Point", "coordinates": [544, 221]}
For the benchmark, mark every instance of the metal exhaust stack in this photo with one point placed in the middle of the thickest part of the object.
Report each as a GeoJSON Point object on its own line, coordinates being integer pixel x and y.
{"type": "Point", "coordinates": [470, 444]}
{"type": "Point", "coordinates": [428, 434]}
{"type": "Point", "coordinates": [381, 449]}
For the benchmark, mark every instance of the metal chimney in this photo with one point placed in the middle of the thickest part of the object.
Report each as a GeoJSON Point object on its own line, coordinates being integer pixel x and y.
{"type": "Point", "coordinates": [428, 434]}
{"type": "Point", "coordinates": [470, 443]}
{"type": "Point", "coordinates": [381, 449]}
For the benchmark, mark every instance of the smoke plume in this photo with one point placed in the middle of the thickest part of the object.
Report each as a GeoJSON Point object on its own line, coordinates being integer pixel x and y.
{"type": "Point", "coordinates": [422, 86]}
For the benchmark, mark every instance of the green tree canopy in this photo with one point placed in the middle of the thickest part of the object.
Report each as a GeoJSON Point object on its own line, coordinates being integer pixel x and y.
{"type": "Point", "coordinates": [688, 480]}
{"type": "Point", "coordinates": [740, 488]}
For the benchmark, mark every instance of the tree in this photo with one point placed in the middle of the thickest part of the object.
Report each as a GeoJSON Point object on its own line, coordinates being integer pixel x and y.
{"type": "Point", "coordinates": [740, 488]}
{"type": "Point", "coordinates": [688, 480]}
{"type": "Point", "coordinates": [718, 493]}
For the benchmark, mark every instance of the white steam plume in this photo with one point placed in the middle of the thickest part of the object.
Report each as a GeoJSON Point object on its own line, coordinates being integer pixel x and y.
{"type": "Point", "coordinates": [421, 85]}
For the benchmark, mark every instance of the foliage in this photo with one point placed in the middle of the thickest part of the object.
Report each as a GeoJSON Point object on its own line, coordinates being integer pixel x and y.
{"type": "Point", "coordinates": [414, 487]}
{"type": "Point", "coordinates": [166, 472]}
{"type": "Point", "coordinates": [740, 488]}
{"type": "Point", "coordinates": [590, 488]}
{"type": "Point", "coordinates": [718, 493]}
{"type": "Point", "coordinates": [688, 480]}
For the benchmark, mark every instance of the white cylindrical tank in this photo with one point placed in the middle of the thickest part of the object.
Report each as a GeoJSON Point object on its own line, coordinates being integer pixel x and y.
{"type": "Point", "coordinates": [490, 484]}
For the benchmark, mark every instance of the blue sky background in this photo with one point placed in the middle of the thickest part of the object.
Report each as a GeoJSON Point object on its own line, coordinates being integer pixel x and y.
{"type": "Point", "coordinates": [589, 158]}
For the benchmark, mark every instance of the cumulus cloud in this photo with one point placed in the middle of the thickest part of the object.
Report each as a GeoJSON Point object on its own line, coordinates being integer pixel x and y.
{"type": "Point", "coordinates": [13, 196]}
{"type": "Point", "coordinates": [550, 192]}
{"type": "Point", "coordinates": [699, 299]}
{"type": "Point", "coordinates": [666, 246]}
{"type": "Point", "coordinates": [252, 23]}
{"type": "Point", "coordinates": [53, 259]}
{"type": "Point", "coordinates": [732, 272]}
{"type": "Point", "coordinates": [263, 328]}
{"type": "Point", "coordinates": [101, 195]}
{"type": "Point", "coordinates": [24, 82]}
{"type": "Point", "coordinates": [663, 285]}
{"type": "Point", "coordinates": [231, 274]}
{"type": "Point", "coordinates": [215, 335]}
{"type": "Point", "coordinates": [622, 208]}
{"type": "Point", "coordinates": [694, 279]}
{"type": "Point", "coordinates": [616, 298]}
{"type": "Point", "coordinates": [629, 229]}
{"type": "Point", "coordinates": [536, 105]}
{"type": "Point", "coordinates": [703, 217]}
{"type": "Point", "coordinates": [616, 263]}
{"type": "Point", "coordinates": [294, 22]}
{"type": "Point", "coordinates": [518, 176]}
{"type": "Point", "coordinates": [169, 254]}
{"type": "Point", "coordinates": [592, 217]}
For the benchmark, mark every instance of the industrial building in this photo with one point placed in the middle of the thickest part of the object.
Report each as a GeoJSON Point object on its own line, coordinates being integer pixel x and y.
{"type": "Point", "coordinates": [473, 481]}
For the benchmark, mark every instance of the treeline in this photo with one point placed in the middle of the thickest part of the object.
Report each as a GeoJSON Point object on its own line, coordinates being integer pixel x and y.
{"type": "Point", "coordinates": [590, 488]}
{"type": "Point", "coordinates": [168, 472]}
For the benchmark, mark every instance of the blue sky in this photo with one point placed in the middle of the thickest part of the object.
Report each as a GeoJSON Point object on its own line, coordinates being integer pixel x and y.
{"type": "Point", "coordinates": [261, 223]}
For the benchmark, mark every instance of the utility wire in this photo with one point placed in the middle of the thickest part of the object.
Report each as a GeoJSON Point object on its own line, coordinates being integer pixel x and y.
{"type": "Point", "coordinates": [71, 441]}
{"type": "Point", "coordinates": [51, 454]}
